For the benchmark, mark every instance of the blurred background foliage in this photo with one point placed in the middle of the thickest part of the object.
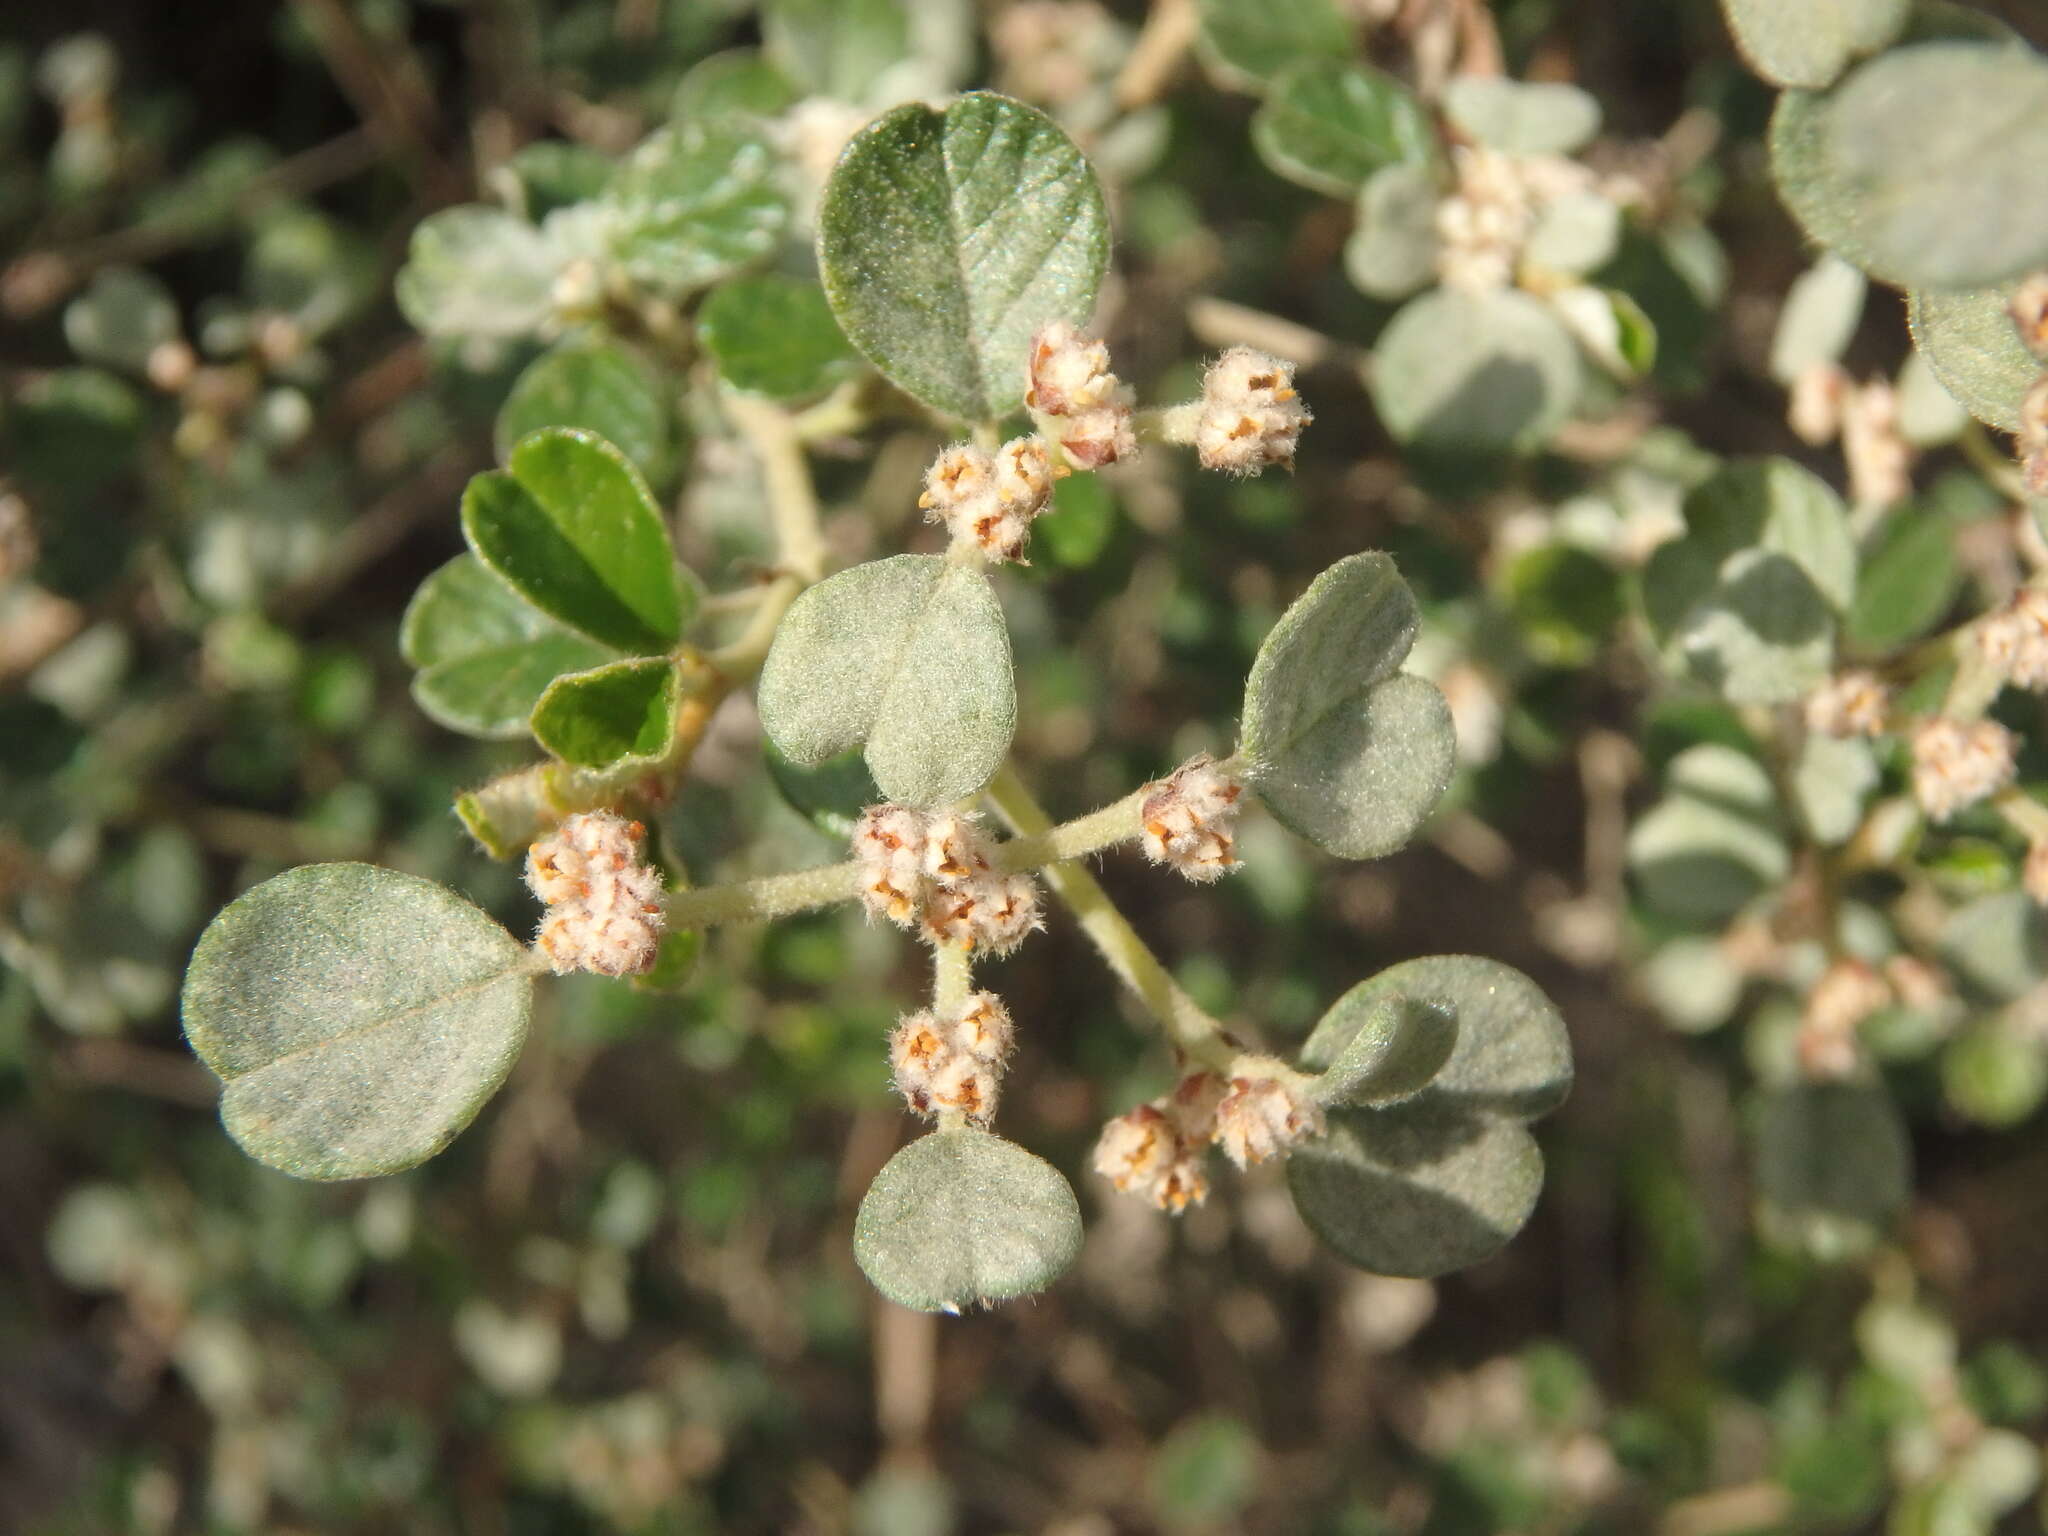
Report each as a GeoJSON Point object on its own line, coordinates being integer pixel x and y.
{"type": "Point", "coordinates": [625, 1301]}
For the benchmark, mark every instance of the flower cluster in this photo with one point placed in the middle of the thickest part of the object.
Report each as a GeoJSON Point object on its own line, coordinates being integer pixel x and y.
{"type": "Point", "coordinates": [2033, 437]}
{"type": "Point", "coordinates": [604, 903]}
{"type": "Point", "coordinates": [1483, 225]}
{"type": "Point", "coordinates": [1848, 992]}
{"type": "Point", "coordinates": [989, 501]}
{"type": "Point", "coordinates": [2015, 639]}
{"type": "Point", "coordinates": [1086, 408]}
{"type": "Point", "coordinates": [1849, 704]}
{"type": "Point", "coordinates": [1956, 763]}
{"type": "Point", "coordinates": [1156, 1151]}
{"type": "Point", "coordinates": [1188, 817]}
{"type": "Point", "coordinates": [1251, 416]}
{"type": "Point", "coordinates": [931, 870]}
{"type": "Point", "coordinates": [953, 1061]}
{"type": "Point", "coordinates": [1826, 403]}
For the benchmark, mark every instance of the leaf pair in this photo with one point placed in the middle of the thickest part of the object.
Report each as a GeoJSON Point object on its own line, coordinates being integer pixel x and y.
{"type": "Point", "coordinates": [1438, 1064]}
{"type": "Point", "coordinates": [1345, 749]}
{"type": "Point", "coordinates": [562, 616]}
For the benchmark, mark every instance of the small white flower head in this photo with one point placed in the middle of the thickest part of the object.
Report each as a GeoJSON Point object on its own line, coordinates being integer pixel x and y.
{"type": "Point", "coordinates": [1956, 763]}
{"type": "Point", "coordinates": [1188, 818]}
{"type": "Point", "coordinates": [1849, 704]}
{"type": "Point", "coordinates": [961, 479]}
{"type": "Point", "coordinates": [983, 1029]}
{"type": "Point", "coordinates": [954, 851]}
{"type": "Point", "coordinates": [2032, 438]}
{"type": "Point", "coordinates": [988, 502]}
{"type": "Point", "coordinates": [889, 845]}
{"type": "Point", "coordinates": [1251, 417]}
{"type": "Point", "coordinates": [603, 902]}
{"type": "Point", "coordinates": [1848, 992]}
{"type": "Point", "coordinates": [1915, 983]}
{"type": "Point", "coordinates": [1067, 378]}
{"type": "Point", "coordinates": [953, 1062]}
{"type": "Point", "coordinates": [1818, 396]}
{"type": "Point", "coordinates": [2015, 639]}
{"type": "Point", "coordinates": [1261, 1117]}
{"type": "Point", "coordinates": [2029, 309]}
{"type": "Point", "coordinates": [1144, 1152]}
{"type": "Point", "coordinates": [1879, 458]}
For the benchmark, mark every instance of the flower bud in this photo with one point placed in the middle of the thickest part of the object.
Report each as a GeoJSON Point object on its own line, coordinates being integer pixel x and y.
{"type": "Point", "coordinates": [1848, 992]}
{"type": "Point", "coordinates": [1188, 818]}
{"type": "Point", "coordinates": [983, 1029]}
{"type": "Point", "coordinates": [889, 846]}
{"type": "Point", "coordinates": [1068, 377]}
{"type": "Point", "coordinates": [2032, 438]}
{"type": "Point", "coordinates": [1879, 458]}
{"type": "Point", "coordinates": [1815, 410]}
{"type": "Point", "coordinates": [2015, 639]}
{"type": "Point", "coordinates": [2029, 310]}
{"type": "Point", "coordinates": [1848, 704]}
{"type": "Point", "coordinates": [1144, 1152]}
{"type": "Point", "coordinates": [1956, 763]}
{"type": "Point", "coordinates": [953, 1062]}
{"type": "Point", "coordinates": [604, 904]}
{"type": "Point", "coordinates": [1251, 416]}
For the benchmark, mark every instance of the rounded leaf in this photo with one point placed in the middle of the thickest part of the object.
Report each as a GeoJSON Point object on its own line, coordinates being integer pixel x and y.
{"type": "Point", "coordinates": [1822, 310]}
{"type": "Point", "coordinates": [1419, 1189]}
{"type": "Point", "coordinates": [1810, 45]}
{"type": "Point", "coordinates": [359, 1017]}
{"type": "Point", "coordinates": [1512, 1055]}
{"type": "Point", "coordinates": [695, 202]}
{"type": "Point", "coordinates": [964, 1217]}
{"type": "Point", "coordinates": [602, 388]}
{"type": "Point", "coordinates": [946, 239]}
{"type": "Point", "coordinates": [775, 336]}
{"type": "Point", "coordinates": [484, 654]}
{"type": "Point", "coordinates": [1484, 373]}
{"type": "Point", "coordinates": [1396, 1045]}
{"type": "Point", "coordinates": [1918, 166]}
{"type": "Point", "coordinates": [477, 271]}
{"type": "Point", "coordinates": [1330, 125]}
{"type": "Point", "coordinates": [1249, 45]}
{"type": "Point", "coordinates": [572, 528]}
{"type": "Point", "coordinates": [619, 710]}
{"type": "Point", "coordinates": [908, 656]}
{"type": "Point", "coordinates": [1393, 247]}
{"type": "Point", "coordinates": [1522, 117]}
{"type": "Point", "coordinates": [1968, 338]}
{"type": "Point", "coordinates": [1342, 749]}
{"type": "Point", "coordinates": [1833, 1168]}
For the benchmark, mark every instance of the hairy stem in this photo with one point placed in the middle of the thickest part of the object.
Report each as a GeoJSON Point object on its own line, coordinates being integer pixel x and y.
{"type": "Point", "coordinates": [1187, 1025]}
{"type": "Point", "coordinates": [792, 501]}
{"type": "Point", "coordinates": [772, 896]}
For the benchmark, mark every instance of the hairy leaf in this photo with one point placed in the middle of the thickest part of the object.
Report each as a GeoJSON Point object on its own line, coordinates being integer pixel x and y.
{"type": "Point", "coordinates": [1330, 125]}
{"type": "Point", "coordinates": [1821, 312]}
{"type": "Point", "coordinates": [695, 202]}
{"type": "Point", "coordinates": [602, 388]}
{"type": "Point", "coordinates": [908, 656]}
{"type": "Point", "coordinates": [1522, 117]}
{"type": "Point", "coordinates": [946, 239]}
{"type": "Point", "coordinates": [1249, 46]}
{"type": "Point", "coordinates": [619, 710]}
{"type": "Point", "coordinates": [476, 271]}
{"type": "Point", "coordinates": [774, 336]}
{"type": "Point", "coordinates": [1396, 1045]}
{"type": "Point", "coordinates": [1969, 340]}
{"type": "Point", "coordinates": [1393, 246]}
{"type": "Point", "coordinates": [962, 1217]}
{"type": "Point", "coordinates": [359, 1017]}
{"type": "Point", "coordinates": [1810, 44]}
{"type": "Point", "coordinates": [1474, 373]}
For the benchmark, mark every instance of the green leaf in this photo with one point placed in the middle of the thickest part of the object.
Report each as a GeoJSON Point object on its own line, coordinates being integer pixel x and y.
{"type": "Point", "coordinates": [835, 48]}
{"type": "Point", "coordinates": [1575, 234]}
{"type": "Point", "coordinates": [909, 656]}
{"type": "Point", "coordinates": [775, 336]}
{"type": "Point", "coordinates": [121, 318]}
{"type": "Point", "coordinates": [476, 271]}
{"type": "Point", "coordinates": [1907, 583]}
{"type": "Point", "coordinates": [1971, 343]}
{"type": "Point", "coordinates": [1714, 842]}
{"type": "Point", "coordinates": [1830, 783]}
{"type": "Point", "coordinates": [1998, 944]}
{"type": "Point", "coordinates": [1393, 246]}
{"type": "Point", "coordinates": [1418, 1189]}
{"type": "Point", "coordinates": [1330, 125]}
{"type": "Point", "coordinates": [602, 388]}
{"type": "Point", "coordinates": [1396, 1045]}
{"type": "Point", "coordinates": [736, 83]}
{"type": "Point", "coordinates": [946, 239]}
{"type": "Point", "coordinates": [1994, 1075]}
{"type": "Point", "coordinates": [1459, 373]}
{"type": "Point", "coordinates": [557, 173]}
{"type": "Point", "coordinates": [1522, 117]}
{"type": "Point", "coordinates": [831, 794]}
{"type": "Point", "coordinates": [1833, 1167]}
{"type": "Point", "coordinates": [695, 202]}
{"type": "Point", "coordinates": [1747, 600]}
{"type": "Point", "coordinates": [619, 710]}
{"type": "Point", "coordinates": [1511, 1056]}
{"type": "Point", "coordinates": [1080, 523]}
{"type": "Point", "coordinates": [1822, 310]}
{"type": "Point", "coordinates": [963, 1217]}
{"type": "Point", "coordinates": [1249, 46]}
{"type": "Point", "coordinates": [572, 528]}
{"type": "Point", "coordinates": [1810, 45]}
{"type": "Point", "coordinates": [359, 1017]}
{"type": "Point", "coordinates": [484, 655]}
{"type": "Point", "coordinates": [1344, 750]}
{"type": "Point", "coordinates": [1918, 166]}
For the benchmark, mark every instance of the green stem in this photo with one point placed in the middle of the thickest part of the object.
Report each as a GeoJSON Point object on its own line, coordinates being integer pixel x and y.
{"type": "Point", "coordinates": [1118, 822]}
{"type": "Point", "coordinates": [772, 896]}
{"type": "Point", "coordinates": [786, 477]}
{"type": "Point", "coordinates": [2023, 813]}
{"type": "Point", "coordinates": [1186, 1024]}
{"type": "Point", "coordinates": [952, 983]}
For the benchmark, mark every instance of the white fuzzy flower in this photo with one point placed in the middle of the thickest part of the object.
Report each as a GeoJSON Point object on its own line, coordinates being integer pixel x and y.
{"type": "Point", "coordinates": [1188, 817]}
{"type": "Point", "coordinates": [1251, 417]}
{"type": "Point", "coordinates": [603, 903]}
{"type": "Point", "coordinates": [1814, 411]}
{"type": "Point", "coordinates": [889, 844]}
{"type": "Point", "coordinates": [2029, 310]}
{"type": "Point", "coordinates": [1261, 1117]}
{"type": "Point", "coordinates": [989, 501]}
{"type": "Point", "coordinates": [1848, 992]}
{"type": "Point", "coordinates": [2015, 639]}
{"type": "Point", "coordinates": [953, 1061]}
{"type": "Point", "coordinates": [1067, 379]}
{"type": "Point", "coordinates": [1849, 704]}
{"type": "Point", "coordinates": [1956, 763]}
{"type": "Point", "coordinates": [1879, 458]}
